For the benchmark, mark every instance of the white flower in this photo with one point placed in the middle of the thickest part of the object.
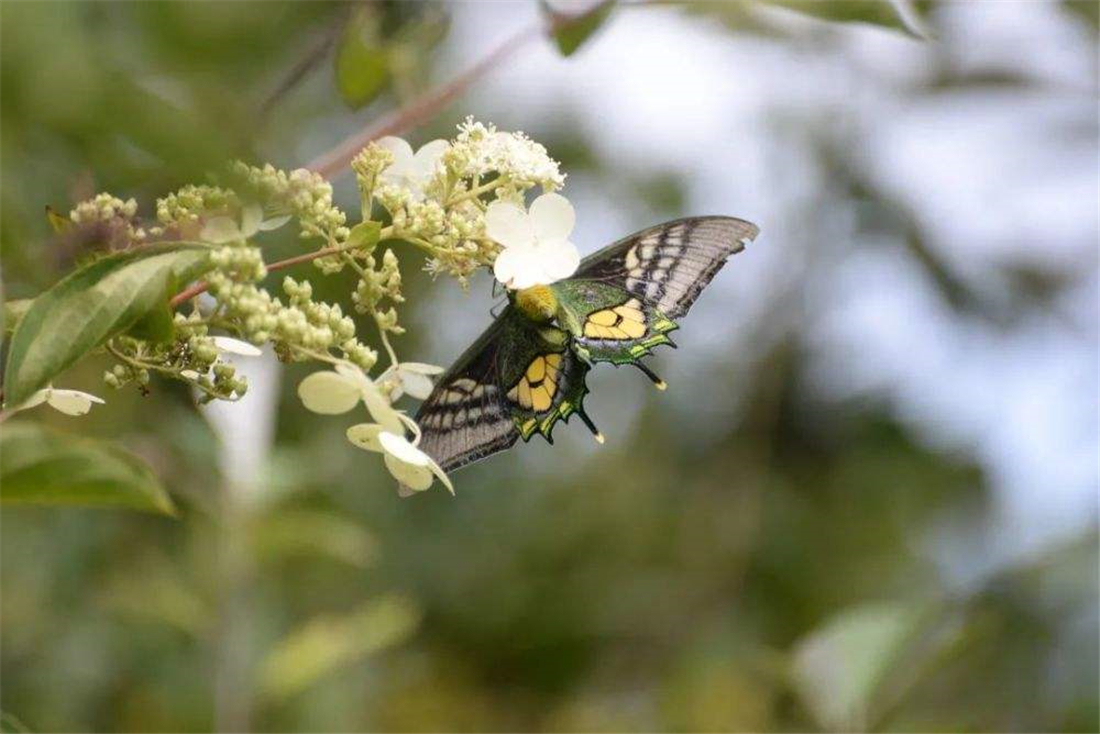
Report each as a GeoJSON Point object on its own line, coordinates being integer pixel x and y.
{"type": "Point", "coordinates": [537, 250]}
{"type": "Point", "coordinates": [69, 402]}
{"type": "Point", "coordinates": [411, 467]}
{"type": "Point", "coordinates": [410, 170]}
{"type": "Point", "coordinates": [220, 230]}
{"type": "Point", "coordinates": [236, 346]}
{"type": "Point", "coordinates": [414, 379]}
{"type": "Point", "coordinates": [338, 391]}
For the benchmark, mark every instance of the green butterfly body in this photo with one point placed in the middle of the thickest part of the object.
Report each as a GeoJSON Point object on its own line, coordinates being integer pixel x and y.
{"type": "Point", "coordinates": [527, 371]}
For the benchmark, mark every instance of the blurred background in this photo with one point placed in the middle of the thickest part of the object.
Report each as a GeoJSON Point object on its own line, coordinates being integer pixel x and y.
{"type": "Point", "coordinates": [868, 500]}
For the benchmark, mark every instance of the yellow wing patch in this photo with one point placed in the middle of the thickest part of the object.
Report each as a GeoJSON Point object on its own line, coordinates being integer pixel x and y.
{"type": "Point", "coordinates": [621, 323]}
{"type": "Point", "coordinates": [536, 389]}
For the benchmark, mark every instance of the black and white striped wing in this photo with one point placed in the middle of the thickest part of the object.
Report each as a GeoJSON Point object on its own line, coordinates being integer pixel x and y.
{"type": "Point", "coordinates": [670, 264]}
{"type": "Point", "coordinates": [466, 417]}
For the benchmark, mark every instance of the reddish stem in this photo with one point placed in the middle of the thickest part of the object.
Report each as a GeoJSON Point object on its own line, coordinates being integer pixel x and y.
{"type": "Point", "coordinates": [201, 286]}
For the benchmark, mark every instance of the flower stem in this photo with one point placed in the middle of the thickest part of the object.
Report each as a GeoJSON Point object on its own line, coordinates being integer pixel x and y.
{"type": "Point", "coordinates": [201, 286]}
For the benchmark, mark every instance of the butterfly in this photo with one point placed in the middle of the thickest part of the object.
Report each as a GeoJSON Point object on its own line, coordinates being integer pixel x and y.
{"type": "Point", "coordinates": [527, 371]}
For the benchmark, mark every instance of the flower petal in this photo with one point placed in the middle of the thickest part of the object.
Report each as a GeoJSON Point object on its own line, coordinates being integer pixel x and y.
{"type": "Point", "coordinates": [552, 217]}
{"type": "Point", "coordinates": [398, 446]}
{"type": "Point", "coordinates": [441, 475]}
{"type": "Point", "coordinates": [380, 409]}
{"type": "Point", "coordinates": [220, 229]}
{"type": "Point", "coordinates": [425, 160]}
{"type": "Point", "coordinates": [416, 478]}
{"type": "Point", "coordinates": [352, 372]}
{"type": "Point", "coordinates": [273, 223]}
{"type": "Point", "coordinates": [415, 384]}
{"type": "Point", "coordinates": [508, 224]}
{"type": "Point", "coordinates": [399, 147]}
{"type": "Point", "coordinates": [408, 464]}
{"type": "Point", "coordinates": [329, 393]}
{"type": "Point", "coordinates": [529, 268]}
{"type": "Point", "coordinates": [365, 436]}
{"type": "Point", "coordinates": [422, 368]}
{"type": "Point", "coordinates": [560, 259]}
{"type": "Point", "coordinates": [518, 267]}
{"type": "Point", "coordinates": [36, 399]}
{"type": "Point", "coordinates": [236, 346]}
{"type": "Point", "coordinates": [72, 402]}
{"type": "Point", "coordinates": [251, 217]}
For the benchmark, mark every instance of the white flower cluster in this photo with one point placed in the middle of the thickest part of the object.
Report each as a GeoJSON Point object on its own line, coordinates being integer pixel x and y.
{"type": "Point", "coordinates": [437, 197]}
{"type": "Point", "coordinates": [520, 162]}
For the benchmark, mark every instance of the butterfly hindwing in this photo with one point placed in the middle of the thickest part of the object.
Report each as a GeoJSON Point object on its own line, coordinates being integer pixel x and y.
{"type": "Point", "coordinates": [667, 266]}
{"type": "Point", "coordinates": [609, 323]}
{"type": "Point", "coordinates": [518, 379]}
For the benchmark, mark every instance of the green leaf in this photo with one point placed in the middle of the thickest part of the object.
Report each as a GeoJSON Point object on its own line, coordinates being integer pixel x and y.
{"type": "Point", "coordinates": [839, 668]}
{"type": "Point", "coordinates": [90, 306]}
{"type": "Point", "coordinates": [900, 15]}
{"type": "Point", "coordinates": [326, 644]}
{"type": "Point", "coordinates": [14, 311]}
{"type": "Point", "coordinates": [365, 235]}
{"type": "Point", "coordinates": [571, 31]}
{"type": "Point", "coordinates": [362, 61]}
{"type": "Point", "coordinates": [158, 325]}
{"type": "Point", "coordinates": [47, 467]}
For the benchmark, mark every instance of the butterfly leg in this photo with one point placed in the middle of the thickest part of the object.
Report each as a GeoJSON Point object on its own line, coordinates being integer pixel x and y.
{"type": "Point", "coordinates": [657, 381]}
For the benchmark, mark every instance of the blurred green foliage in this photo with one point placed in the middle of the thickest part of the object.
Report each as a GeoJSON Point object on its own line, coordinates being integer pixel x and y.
{"type": "Point", "coordinates": [766, 578]}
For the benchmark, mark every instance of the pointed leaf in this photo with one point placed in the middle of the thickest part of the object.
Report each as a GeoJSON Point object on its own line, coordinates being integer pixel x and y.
{"type": "Point", "coordinates": [98, 301]}
{"type": "Point", "coordinates": [48, 467]}
{"type": "Point", "coordinates": [364, 235]}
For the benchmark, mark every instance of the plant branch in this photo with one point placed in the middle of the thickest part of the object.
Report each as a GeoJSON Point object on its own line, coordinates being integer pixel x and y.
{"type": "Point", "coordinates": [200, 286]}
{"type": "Point", "coordinates": [423, 107]}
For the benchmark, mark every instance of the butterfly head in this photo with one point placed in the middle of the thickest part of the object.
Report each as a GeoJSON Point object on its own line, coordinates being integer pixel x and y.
{"type": "Point", "coordinates": [537, 303]}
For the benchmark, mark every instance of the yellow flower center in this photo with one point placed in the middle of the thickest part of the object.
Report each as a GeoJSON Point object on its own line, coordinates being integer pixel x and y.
{"type": "Point", "coordinates": [537, 303]}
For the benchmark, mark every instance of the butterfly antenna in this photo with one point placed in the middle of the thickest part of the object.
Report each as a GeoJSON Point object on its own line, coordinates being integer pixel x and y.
{"type": "Point", "coordinates": [591, 426]}
{"type": "Point", "coordinates": [657, 381]}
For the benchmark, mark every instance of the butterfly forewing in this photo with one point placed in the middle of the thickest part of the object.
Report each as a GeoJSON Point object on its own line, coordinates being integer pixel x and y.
{"type": "Point", "coordinates": [517, 379]}
{"type": "Point", "coordinates": [667, 266]}
{"type": "Point", "coordinates": [465, 418]}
